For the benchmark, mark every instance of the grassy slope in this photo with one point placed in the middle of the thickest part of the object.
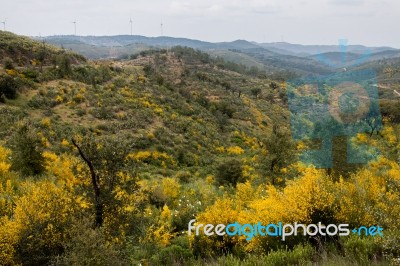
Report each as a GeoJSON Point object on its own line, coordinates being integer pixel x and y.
{"type": "Point", "coordinates": [22, 50]}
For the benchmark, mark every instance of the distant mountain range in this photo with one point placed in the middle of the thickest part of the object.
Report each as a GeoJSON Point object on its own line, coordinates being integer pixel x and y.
{"type": "Point", "coordinates": [272, 57]}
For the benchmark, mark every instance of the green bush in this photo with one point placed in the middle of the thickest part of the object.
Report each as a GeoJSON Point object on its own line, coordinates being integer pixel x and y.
{"type": "Point", "coordinates": [31, 74]}
{"type": "Point", "coordinates": [89, 246]}
{"type": "Point", "coordinates": [225, 108]}
{"type": "Point", "coordinates": [172, 255]}
{"type": "Point", "coordinates": [8, 63]}
{"type": "Point", "coordinates": [8, 87]}
{"type": "Point", "coordinates": [362, 249]}
{"type": "Point", "coordinates": [229, 172]}
{"type": "Point", "coordinates": [300, 255]}
{"type": "Point", "coordinates": [27, 156]}
{"type": "Point", "coordinates": [64, 68]}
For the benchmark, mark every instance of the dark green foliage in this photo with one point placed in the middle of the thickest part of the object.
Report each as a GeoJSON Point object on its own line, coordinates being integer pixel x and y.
{"type": "Point", "coordinates": [229, 172]}
{"type": "Point", "coordinates": [256, 92]}
{"type": "Point", "coordinates": [390, 109]}
{"type": "Point", "coordinates": [8, 64]}
{"type": "Point", "coordinates": [300, 255]}
{"type": "Point", "coordinates": [160, 80]}
{"type": "Point", "coordinates": [106, 158]}
{"type": "Point", "coordinates": [93, 76]}
{"type": "Point", "coordinates": [104, 73]}
{"type": "Point", "coordinates": [63, 66]}
{"type": "Point", "coordinates": [273, 85]}
{"type": "Point", "coordinates": [191, 55]}
{"type": "Point", "coordinates": [239, 68]}
{"type": "Point", "coordinates": [283, 96]}
{"type": "Point", "coordinates": [27, 155]}
{"type": "Point", "coordinates": [31, 74]}
{"type": "Point", "coordinates": [225, 108]}
{"type": "Point", "coordinates": [148, 70]}
{"type": "Point", "coordinates": [41, 55]}
{"type": "Point", "coordinates": [281, 151]}
{"type": "Point", "coordinates": [362, 250]}
{"type": "Point", "coordinates": [8, 87]}
{"type": "Point", "coordinates": [173, 255]}
{"type": "Point", "coordinates": [88, 246]}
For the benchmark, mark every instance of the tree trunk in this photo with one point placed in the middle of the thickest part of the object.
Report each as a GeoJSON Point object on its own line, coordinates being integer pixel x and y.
{"type": "Point", "coordinates": [96, 187]}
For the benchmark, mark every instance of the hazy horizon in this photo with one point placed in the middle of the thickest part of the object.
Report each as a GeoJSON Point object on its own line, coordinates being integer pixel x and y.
{"type": "Point", "coordinates": [324, 22]}
{"type": "Point", "coordinates": [183, 37]}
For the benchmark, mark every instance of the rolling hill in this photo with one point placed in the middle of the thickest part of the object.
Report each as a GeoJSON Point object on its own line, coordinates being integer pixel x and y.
{"type": "Point", "coordinates": [270, 57]}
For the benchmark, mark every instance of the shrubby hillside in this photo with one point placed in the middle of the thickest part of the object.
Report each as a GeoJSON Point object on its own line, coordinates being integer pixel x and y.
{"type": "Point", "coordinates": [106, 162]}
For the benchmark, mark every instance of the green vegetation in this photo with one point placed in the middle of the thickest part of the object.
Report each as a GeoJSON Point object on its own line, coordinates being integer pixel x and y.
{"type": "Point", "coordinates": [106, 162]}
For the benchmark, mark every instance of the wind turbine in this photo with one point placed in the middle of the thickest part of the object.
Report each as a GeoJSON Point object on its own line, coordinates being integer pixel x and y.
{"type": "Point", "coordinates": [162, 28]}
{"type": "Point", "coordinates": [131, 22]}
{"type": "Point", "coordinates": [74, 22]}
{"type": "Point", "coordinates": [4, 24]}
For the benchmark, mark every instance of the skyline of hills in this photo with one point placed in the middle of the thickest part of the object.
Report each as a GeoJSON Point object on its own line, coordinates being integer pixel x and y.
{"type": "Point", "coordinates": [269, 57]}
{"type": "Point", "coordinates": [278, 47]}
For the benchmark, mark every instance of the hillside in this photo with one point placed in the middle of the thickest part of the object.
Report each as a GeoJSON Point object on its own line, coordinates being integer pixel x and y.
{"type": "Point", "coordinates": [23, 51]}
{"type": "Point", "coordinates": [106, 162]}
{"type": "Point", "coordinates": [307, 50]}
{"type": "Point", "coordinates": [282, 59]}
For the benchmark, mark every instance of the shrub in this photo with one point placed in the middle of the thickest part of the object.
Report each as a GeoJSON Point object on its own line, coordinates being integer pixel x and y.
{"type": "Point", "coordinates": [300, 255]}
{"type": "Point", "coordinates": [230, 172]}
{"type": "Point", "coordinates": [89, 246]}
{"type": "Point", "coordinates": [63, 65]}
{"type": "Point", "coordinates": [8, 87]}
{"type": "Point", "coordinates": [172, 255]}
{"type": "Point", "coordinates": [225, 108]}
{"type": "Point", "coordinates": [8, 64]}
{"type": "Point", "coordinates": [363, 250]}
{"type": "Point", "coordinates": [183, 176]}
{"type": "Point", "coordinates": [256, 92]}
{"type": "Point", "coordinates": [31, 74]}
{"type": "Point", "coordinates": [38, 226]}
{"type": "Point", "coordinates": [27, 156]}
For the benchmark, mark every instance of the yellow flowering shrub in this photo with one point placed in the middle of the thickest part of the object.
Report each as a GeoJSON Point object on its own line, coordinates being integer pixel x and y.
{"type": "Point", "coordinates": [170, 187]}
{"type": "Point", "coordinates": [46, 122]}
{"type": "Point", "coordinates": [6, 198]}
{"type": "Point", "coordinates": [38, 226]}
{"type": "Point", "coordinates": [59, 99]}
{"type": "Point", "coordinates": [8, 241]}
{"type": "Point", "coordinates": [371, 196]}
{"type": "Point", "coordinates": [156, 157]}
{"type": "Point", "coordinates": [235, 150]}
{"type": "Point", "coordinates": [362, 138]}
{"type": "Point", "coordinates": [251, 142]}
{"type": "Point", "coordinates": [388, 134]}
{"type": "Point", "coordinates": [298, 200]}
{"type": "Point", "coordinates": [12, 72]}
{"type": "Point", "coordinates": [62, 167]}
{"type": "Point", "coordinates": [220, 149]}
{"type": "Point", "coordinates": [4, 164]}
{"type": "Point", "coordinates": [65, 143]}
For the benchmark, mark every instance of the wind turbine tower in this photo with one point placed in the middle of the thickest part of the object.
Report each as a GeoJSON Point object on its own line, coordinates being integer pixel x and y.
{"type": "Point", "coordinates": [4, 24]}
{"type": "Point", "coordinates": [131, 22]}
{"type": "Point", "coordinates": [74, 22]}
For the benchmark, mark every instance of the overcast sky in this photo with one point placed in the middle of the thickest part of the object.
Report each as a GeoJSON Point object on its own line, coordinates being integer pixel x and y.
{"type": "Point", "coordinates": [368, 22]}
